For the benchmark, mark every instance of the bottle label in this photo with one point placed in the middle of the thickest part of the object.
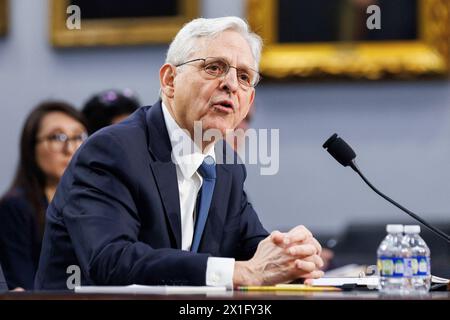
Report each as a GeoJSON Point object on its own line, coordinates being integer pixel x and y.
{"type": "Point", "coordinates": [391, 267]}
{"type": "Point", "coordinates": [417, 266]}
{"type": "Point", "coordinates": [411, 267]}
{"type": "Point", "coordinates": [423, 266]}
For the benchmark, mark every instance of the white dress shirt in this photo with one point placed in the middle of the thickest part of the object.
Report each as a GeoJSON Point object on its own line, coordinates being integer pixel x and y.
{"type": "Point", "coordinates": [219, 271]}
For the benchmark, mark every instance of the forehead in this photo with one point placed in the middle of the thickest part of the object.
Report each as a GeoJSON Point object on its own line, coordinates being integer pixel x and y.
{"type": "Point", "coordinates": [229, 45]}
{"type": "Point", "coordinates": [59, 121]}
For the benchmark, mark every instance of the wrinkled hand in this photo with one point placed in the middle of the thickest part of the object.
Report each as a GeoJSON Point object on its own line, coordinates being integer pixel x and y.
{"type": "Point", "coordinates": [281, 258]}
{"type": "Point", "coordinates": [298, 236]}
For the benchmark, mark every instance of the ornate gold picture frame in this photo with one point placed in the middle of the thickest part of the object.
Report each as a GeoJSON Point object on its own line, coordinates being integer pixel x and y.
{"type": "Point", "coordinates": [118, 31]}
{"type": "Point", "coordinates": [427, 55]}
{"type": "Point", "coordinates": [3, 17]}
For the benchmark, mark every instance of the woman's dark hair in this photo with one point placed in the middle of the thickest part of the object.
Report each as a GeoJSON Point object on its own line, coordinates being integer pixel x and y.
{"type": "Point", "coordinates": [102, 108]}
{"type": "Point", "coordinates": [29, 176]}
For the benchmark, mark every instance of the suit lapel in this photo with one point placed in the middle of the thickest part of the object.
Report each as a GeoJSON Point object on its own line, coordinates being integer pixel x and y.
{"type": "Point", "coordinates": [166, 179]}
{"type": "Point", "coordinates": [164, 169]}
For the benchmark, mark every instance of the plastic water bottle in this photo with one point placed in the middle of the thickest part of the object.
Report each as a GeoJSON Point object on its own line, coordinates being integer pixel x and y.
{"type": "Point", "coordinates": [417, 261]}
{"type": "Point", "coordinates": [390, 261]}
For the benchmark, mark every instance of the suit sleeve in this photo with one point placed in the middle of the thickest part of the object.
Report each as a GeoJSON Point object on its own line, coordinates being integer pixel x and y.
{"type": "Point", "coordinates": [103, 223]}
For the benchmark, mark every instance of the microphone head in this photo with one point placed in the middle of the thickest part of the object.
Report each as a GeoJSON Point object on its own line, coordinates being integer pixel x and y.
{"type": "Point", "coordinates": [340, 150]}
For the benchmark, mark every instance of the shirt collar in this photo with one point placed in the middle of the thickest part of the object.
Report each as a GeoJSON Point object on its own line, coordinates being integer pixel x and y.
{"type": "Point", "coordinates": [190, 160]}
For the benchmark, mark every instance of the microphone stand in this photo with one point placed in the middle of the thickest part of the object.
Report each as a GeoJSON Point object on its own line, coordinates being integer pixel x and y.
{"type": "Point", "coordinates": [412, 214]}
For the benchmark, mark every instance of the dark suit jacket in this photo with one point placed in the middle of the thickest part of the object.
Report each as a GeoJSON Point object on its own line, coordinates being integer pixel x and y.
{"type": "Point", "coordinates": [116, 213]}
{"type": "Point", "coordinates": [20, 239]}
{"type": "Point", "coordinates": [3, 285]}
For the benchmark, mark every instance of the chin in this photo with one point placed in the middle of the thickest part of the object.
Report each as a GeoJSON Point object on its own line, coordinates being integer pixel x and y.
{"type": "Point", "coordinates": [60, 173]}
{"type": "Point", "coordinates": [221, 128]}
{"type": "Point", "coordinates": [218, 124]}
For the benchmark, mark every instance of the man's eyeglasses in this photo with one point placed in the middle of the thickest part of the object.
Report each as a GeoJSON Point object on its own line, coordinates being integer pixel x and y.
{"type": "Point", "coordinates": [218, 67]}
{"type": "Point", "coordinates": [58, 141]}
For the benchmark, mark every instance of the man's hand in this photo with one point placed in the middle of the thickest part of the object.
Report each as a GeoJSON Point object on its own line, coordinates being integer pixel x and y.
{"type": "Point", "coordinates": [281, 258]}
{"type": "Point", "coordinates": [299, 234]}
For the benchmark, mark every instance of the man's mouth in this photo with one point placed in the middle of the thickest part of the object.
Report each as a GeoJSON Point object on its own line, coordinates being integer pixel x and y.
{"type": "Point", "coordinates": [224, 106]}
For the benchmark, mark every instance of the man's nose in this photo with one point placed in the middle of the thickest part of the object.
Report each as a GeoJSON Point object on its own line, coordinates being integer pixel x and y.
{"type": "Point", "coordinates": [230, 81]}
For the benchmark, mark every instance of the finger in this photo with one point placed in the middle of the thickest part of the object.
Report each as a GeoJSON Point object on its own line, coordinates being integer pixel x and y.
{"type": "Point", "coordinates": [312, 275]}
{"type": "Point", "coordinates": [277, 237]}
{"type": "Point", "coordinates": [305, 266]}
{"type": "Point", "coordinates": [316, 244]}
{"type": "Point", "coordinates": [299, 234]}
{"type": "Point", "coordinates": [297, 237]}
{"type": "Point", "coordinates": [316, 259]}
{"type": "Point", "coordinates": [302, 250]}
{"type": "Point", "coordinates": [300, 229]}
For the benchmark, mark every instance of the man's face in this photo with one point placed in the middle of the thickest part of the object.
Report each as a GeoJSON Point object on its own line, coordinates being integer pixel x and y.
{"type": "Point", "coordinates": [219, 103]}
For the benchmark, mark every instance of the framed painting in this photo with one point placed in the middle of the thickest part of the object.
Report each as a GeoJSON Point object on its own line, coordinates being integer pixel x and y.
{"type": "Point", "coordinates": [332, 38]}
{"type": "Point", "coordinates": [119, 23]}
{"type": "Point", "coordinates": [3, 17]}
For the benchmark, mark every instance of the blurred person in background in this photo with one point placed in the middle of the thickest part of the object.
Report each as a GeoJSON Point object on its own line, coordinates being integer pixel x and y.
{"type": "Point", "coordinates": [109, 107]}
{"type": "Point", "coordinates": [50, 136]}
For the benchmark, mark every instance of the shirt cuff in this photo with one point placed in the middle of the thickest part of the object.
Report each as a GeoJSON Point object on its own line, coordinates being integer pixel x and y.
{"type": "Point", "coordinates": [219, 272]}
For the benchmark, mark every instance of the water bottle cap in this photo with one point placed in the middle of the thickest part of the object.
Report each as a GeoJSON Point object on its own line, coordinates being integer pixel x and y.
{"type": "Point", "coordinates": [394, 228]}
{"type": "Point", "coordinates": [415, 229]}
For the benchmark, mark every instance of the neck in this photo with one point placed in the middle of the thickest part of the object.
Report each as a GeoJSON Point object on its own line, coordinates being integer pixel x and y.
{"type": "Point", "coordinates": [207, 145]}
{"type": "Point", "coordinates": [202, 145]}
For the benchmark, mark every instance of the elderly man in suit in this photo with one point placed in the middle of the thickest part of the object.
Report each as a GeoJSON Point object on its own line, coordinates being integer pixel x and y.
{"type": "Point", "coordinates": [131, 210]}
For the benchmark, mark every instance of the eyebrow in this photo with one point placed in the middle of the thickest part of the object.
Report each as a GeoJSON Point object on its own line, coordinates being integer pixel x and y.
{"type": "Point", "coordinates": [239, 66]}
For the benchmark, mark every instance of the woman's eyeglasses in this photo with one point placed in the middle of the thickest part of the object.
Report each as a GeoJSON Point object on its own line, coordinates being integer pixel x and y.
{"type": "Point", "coordinates": [57, 142]}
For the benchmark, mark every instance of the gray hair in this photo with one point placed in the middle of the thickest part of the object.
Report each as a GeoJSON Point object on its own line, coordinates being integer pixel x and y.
{"type": "Point", "coordinates": [184, 43]}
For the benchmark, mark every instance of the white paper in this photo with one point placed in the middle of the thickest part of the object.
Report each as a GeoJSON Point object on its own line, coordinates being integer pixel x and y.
{"type": "Point", "coordinates": [140, 289]}
{"type": "Point", "coordinates": [349, 270]}
{"type": "Point", "coordinates": [435, 279]}
{"type": "Point", "coordinates": [337, 282]}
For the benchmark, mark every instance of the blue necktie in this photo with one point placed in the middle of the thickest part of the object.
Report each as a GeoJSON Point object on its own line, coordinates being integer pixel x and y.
{"type": "Point", "coordinates": [208, 172]}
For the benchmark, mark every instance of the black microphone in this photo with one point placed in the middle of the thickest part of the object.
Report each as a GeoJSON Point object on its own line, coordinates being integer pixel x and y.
{"type": "Point", "coordinates": [345, 155]}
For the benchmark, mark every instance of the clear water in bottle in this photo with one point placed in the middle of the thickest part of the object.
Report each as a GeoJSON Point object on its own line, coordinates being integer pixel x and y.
{"type": "Point", "coordinates": [390, 261]}
{"type": "Point", "coordinates": [417, 261]}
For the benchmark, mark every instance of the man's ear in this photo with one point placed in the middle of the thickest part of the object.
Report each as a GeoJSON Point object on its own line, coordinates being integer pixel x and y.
{"type": "Point", "coordinates": [166, 79]}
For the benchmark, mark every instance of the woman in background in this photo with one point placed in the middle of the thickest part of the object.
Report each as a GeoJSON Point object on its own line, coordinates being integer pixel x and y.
{"type": "Point", "coordinates": [51, 134]}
